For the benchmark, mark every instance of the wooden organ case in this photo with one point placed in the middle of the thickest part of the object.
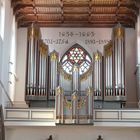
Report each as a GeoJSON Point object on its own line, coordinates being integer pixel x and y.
{"type": "Point", "coordinates": [76, 83]}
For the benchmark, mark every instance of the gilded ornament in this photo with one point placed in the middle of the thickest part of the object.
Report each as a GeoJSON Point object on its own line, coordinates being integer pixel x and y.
{"type": "Point", "coordinates": [81, 103]}
{"type": "Point", "coordinates": [75, 68]}
{"type": "Point", "coordinates": [66, 75]}
{"type": "Point", "coordinates": [67, 103]}
{"type": "Point", "coordinates": [33, 31]}
{"type": "Point", "coordinates": [108, 49]}
{"type": "Point", "coordinates": [87, 74]}
{"type": "Point", "coordinates": [59, 90]}
{"type": "Point", "coordinates": [97, 56]}
{"type": "Point", "coordinates": [42, 49]}
{"type": "Point", "coordinates": [119, 32]}
{"type": "Point", "coordinates": [74, 97]}
{"type": "Point", "coordinates": [89, 91]}
{"type": "Point", "coordinates": [54, 55]}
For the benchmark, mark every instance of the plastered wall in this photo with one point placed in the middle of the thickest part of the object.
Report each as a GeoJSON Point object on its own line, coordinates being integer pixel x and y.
{"type": "Point", "coordinates": [68, 132]}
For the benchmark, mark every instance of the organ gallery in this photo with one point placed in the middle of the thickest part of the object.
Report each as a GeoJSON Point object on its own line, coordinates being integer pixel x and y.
{"type": "Point", "coordinates": [76, 82]}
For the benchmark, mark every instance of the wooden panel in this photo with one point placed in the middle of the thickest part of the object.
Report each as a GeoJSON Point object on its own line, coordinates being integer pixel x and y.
{"type": "Point", "coordinates": [72, 11]}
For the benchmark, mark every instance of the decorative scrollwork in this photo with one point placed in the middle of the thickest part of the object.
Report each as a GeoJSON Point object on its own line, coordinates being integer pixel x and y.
{"type": "Point", "coordinates": [42, 48]}
{"type": "Point", "coordinates": [67, 103]}
{"type": "Point", "coordinates": [54, 55]}
{"type": "Point", "coordinates": [82, 77]}
{"type": "Point", "coordinates": [108, 49]}
{"type": "Point", "coordinates": [81, 103]}
{"type": "Point", "coordinates": [33, 31]}
{"type": "Point", "coordinates": [119, 31]}
{"type": "Point", "coordinates": [59, 90]}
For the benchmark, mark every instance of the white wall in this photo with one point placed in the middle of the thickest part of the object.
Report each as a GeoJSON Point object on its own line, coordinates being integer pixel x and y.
{"type": "Point", "coordinates": [21, 65]}
{"type": "Point", "coordinates": [130, 67]}
{"type": "Point", "coordinates": [54, 38]}
{"type": "Point", "coordinates": [92, 39]}
{"type": "Point", "coordinates": [8, 37]}
{"type": "Point", "coordinates": [72, 133]}
{"type": "Point", "coordinates": [138, 55]}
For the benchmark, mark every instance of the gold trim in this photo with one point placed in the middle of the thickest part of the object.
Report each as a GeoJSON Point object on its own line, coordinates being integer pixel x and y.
{"type": "Point", "coordinates": [59, 90]}
{"type": "Point", "coordinates": [43, 48]}
{"type": "Point", "coordinates": [54, 55]}
{"type": "Point", "coordinates": [33, 31]}
{"type": "Point", "coordinates": [66, 75]}
{"type": "Point", "coordinates": [67, 103]}
{"type": "Point", "coordinates": [73, 97]}
{"type": "Point", "coordinates": [89, 91]}
{"type": "Point", "coordinates": [97, 56]}
{"type": "Point", "coordinates": [81, 103]}
{"type": "Point", "coordinates": [119, 31]}
{"type": "Point", "coordinates": [83, 77]}
{"type": "Point", "coordinates": [75, 68]}
{"type": "Point", "coordinates": [108, 49]}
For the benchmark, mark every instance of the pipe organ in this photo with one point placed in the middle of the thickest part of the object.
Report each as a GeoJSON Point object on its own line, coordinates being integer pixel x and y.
{"type": "Point", "coordinates": [76, 82]}
{"type": "Point", "coordinates": [37, 63]}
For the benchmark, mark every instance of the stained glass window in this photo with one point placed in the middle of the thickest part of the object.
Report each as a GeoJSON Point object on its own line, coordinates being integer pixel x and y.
{"type": "Point", "coordinates": [76, 55]}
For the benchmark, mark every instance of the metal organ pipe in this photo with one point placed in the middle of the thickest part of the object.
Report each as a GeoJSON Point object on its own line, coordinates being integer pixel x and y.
{"type": "Point", "coordinates": [43, 63]}
{"type": "Point", "coordinates": [54, 72]}
{"type": "Point", "coordinates": [32, 57]}
{"type": "Point", "coordinates": [97, 74]}
{"type": "Point", "coordinates": [119, 55]}
{"type": "Point", "coordinates": [108, 52]}
{"type": "Point", "coordinates": [75, 78]}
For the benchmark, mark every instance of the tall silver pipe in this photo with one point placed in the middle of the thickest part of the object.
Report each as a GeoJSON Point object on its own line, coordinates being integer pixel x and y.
{"type": "Point", "coordinates": [111, 80]}
{"type": "Point", "coordinates": [138, 58]}
{"type": "Point", "coordinates": [59, 104]}
{"type": "Point", "coordinates": [89, 93]}
{"type": "Point", "coordinates": [97, 57]}
{"type": "Point", "coordinates": [119, 53]}
{"type": "Point", "coordinates": [108, 68]}
{"type": "Point", "coordinates": [99, 78]}
{"type": "Point", "coordinates": [75, 78]}
{"type": "Point", "coordinates": [43, 48]}
{"type": "Point", "coordinates": [54, 72]}
{"type": "Point", "coordinates": [106, 74]}
{"type": "Point", "coordinates": [32, 56]}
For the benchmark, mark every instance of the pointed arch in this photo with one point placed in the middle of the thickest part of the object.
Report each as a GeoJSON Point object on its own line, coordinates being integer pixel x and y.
{"type": "Point", "coordinates": [76, 55]}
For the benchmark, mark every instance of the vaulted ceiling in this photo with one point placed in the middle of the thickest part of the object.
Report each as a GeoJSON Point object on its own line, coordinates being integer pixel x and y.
{"type": "Point", "coordinates": [75, 13]}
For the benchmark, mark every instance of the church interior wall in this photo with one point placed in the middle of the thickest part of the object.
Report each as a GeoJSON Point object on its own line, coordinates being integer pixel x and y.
{"type": "Point", "coordinates": [138, 55]}
{"type": "Point", "coordinates": [72, 133]}
{"type": "Point", "coordinates": [7, 50]}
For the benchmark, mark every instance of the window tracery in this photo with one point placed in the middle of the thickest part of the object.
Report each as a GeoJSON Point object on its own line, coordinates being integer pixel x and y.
{"type": "Point", "coordinates": [76, 55]}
